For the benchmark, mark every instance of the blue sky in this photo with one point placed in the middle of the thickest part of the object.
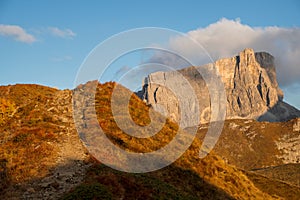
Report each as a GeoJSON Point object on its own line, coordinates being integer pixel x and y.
{"type": "Point", "coordinates": [45, 42]}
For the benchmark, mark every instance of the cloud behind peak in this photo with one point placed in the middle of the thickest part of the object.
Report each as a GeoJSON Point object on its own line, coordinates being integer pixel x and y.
{"type": "Point", "coordinates": [227, 38]}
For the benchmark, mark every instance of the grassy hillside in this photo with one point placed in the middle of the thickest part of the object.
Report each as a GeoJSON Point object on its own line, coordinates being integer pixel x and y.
{"type": "Point", "coordinates": [274, 186]}
{"type": "Point", "coordinates": [26, 133]}
{"type": "Point", "coordinates": [211, 170]}
{"type": "Point", "coordinates": [289, 173]}
{"type": "Point", "coordinates": [249, 144]}
{"type": "Point", "coordinates": [41, 155]}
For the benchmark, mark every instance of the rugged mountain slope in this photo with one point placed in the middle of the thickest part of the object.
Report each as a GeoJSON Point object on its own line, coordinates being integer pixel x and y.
{"type": "Point", "coordinates": [289, 173]}
{"type": "Point", "coordinates": [249, 144]}
{"type": "Point", "coordinates": [42, 156]}
{"type": "Point", "coordinates": [274, 186]}
{"type": "Point", "coordinates": [40, 152]}
{"type": "Point", "coordinates": [250, 84]}
{"type": "Point", "coordinates": [211, 169]}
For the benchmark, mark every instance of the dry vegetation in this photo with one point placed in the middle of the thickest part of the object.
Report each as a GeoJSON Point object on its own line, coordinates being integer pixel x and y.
{"type": "Point", "coordinates": [27, 137]}
{"type": "Point", "coordinates": [140, 115]}
{"type": "Point", "coordinates": [289, 173]}
{"type": "Point", "coordinates": [29, 149]}
{"type": "Point", "coordinates": [274, 186]}
{"type": "Point", "coordinates": [249, 144]}
{"type": "Point", "coordinates": [212, 171]}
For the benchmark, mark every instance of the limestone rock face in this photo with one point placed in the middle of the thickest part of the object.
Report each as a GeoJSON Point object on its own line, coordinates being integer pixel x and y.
{"type": "Point", "coordinates": [250, 84]}
{"type": "Point", "coordinates": [250, 90]}
{"type": "Point", "coordinates": [176, 95]}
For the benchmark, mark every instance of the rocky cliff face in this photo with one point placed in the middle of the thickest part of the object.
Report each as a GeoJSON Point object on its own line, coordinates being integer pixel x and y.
{"type": "Point", "coordinates": [250, 84]}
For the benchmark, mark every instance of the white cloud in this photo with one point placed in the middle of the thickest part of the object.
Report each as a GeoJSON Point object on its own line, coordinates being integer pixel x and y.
{"type": "Point", "coordinates": [226, 38]}
{"type": "Point", "coordinates": [66, 33]}
{"type": "Point", "coordinates": [17, 33]}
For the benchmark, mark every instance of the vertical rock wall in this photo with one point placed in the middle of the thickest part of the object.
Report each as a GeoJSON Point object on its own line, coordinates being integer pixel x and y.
{"type": "Point", "coordinates": [249, 80]}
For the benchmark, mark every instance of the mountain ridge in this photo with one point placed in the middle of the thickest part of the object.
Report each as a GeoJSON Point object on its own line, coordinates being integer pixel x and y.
{"type": "Point", "coordinates": [250, 84]}
{"type": "Point", "coordinates": [44, 155]}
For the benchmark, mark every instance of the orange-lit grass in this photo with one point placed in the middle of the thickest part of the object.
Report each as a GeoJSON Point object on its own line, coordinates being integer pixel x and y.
{"type": "Point", "coordinates": [28, 154]}
{"type": "Point", "coordinates": [139, 113]}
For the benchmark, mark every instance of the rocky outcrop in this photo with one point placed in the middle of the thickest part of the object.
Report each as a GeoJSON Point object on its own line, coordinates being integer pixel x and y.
{"type": "Point", "coordinates": [163, 91]}
{"type": "Point", "coordinates": [250, 84]}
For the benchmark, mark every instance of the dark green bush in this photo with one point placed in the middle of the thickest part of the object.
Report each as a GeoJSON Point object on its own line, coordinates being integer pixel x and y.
{"type": "Point", "coordinates": [89, 192]}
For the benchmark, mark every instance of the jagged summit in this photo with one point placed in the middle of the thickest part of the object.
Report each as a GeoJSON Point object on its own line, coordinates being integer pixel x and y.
{"type": "Point", "coordinates": [250, 83]}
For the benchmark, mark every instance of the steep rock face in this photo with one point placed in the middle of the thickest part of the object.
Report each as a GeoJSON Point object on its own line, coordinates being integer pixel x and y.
{"type": "Point", "coordinates": [168, 95]}
{"type": "Point", "coordinates": [250, 90]}
{"type": "Point", "coordinates": [250, 84]}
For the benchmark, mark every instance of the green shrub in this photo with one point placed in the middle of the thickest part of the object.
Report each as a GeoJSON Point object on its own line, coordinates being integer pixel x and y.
{"type": "Point", "coordinates": [89, 192]}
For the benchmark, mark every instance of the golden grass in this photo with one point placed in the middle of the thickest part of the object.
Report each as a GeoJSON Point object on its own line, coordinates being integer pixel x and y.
{"type": "Point", "coordinates": [211, 170]}
{"type": "Point", "coordinates": [27, 149]}
{"type": "Point", "coordinates": [140, 115]}
{"type": "Point", "coordinates": [27, 152]}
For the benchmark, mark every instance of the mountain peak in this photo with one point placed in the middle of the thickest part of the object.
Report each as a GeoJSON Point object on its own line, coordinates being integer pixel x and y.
{"type": "Point", "coordinates": [250, 84]}
{"type": "Point", "coordinates": [247, 56]}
